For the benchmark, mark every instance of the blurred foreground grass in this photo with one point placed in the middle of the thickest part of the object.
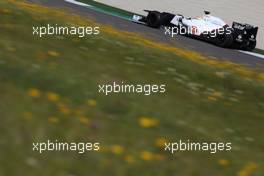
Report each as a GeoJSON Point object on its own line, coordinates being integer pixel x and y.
{"type": "Point", "coordinates": [49, 91]}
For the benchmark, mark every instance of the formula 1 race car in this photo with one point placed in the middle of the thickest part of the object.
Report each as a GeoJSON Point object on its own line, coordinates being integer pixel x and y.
{"type": "Point", "coordinates": [208, 28]}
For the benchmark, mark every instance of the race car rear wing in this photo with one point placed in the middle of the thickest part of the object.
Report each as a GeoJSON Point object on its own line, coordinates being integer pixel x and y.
{"type": "Point", "coordinates": [245, 31]}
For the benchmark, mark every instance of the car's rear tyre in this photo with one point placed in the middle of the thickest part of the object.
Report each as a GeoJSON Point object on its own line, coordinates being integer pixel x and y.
{"type": "Point", "coordinates": [251, 45]}
{"type": "Point", "coordinates": [224, 40]}
{"type": "Point", "coordinates": [154, 19]}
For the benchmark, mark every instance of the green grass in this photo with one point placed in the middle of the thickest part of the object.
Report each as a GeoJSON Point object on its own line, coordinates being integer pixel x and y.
{"type": "Point", "coordinates": [198, 105]}
{"type": "Point", "coordinates": [259, 51]}
{"type": "Point", "coordinates": [108, 9]}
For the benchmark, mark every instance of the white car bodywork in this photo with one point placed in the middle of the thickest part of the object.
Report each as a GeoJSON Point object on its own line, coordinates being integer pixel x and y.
{"type": "Point", "coordinates": [199, 25]}
{"type": "Point", "coordinates": [207, 27]}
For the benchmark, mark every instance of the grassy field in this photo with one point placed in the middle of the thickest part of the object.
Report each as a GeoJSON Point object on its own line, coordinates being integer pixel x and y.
{"type": "Point", "coordinates": [49, 90]}
{"type": "Point", "coordinates": [108, 9]}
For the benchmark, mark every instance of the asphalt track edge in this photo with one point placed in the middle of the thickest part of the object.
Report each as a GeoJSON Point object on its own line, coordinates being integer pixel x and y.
{"type": "Point", "coordinates": [126, 18]}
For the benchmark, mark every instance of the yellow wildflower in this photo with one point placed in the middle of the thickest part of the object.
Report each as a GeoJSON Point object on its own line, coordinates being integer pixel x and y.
{"type": "Point", "coordinates": [63, 109]}
{"type": "Point", "coordinates": [261, 76]}
{"type": "Point", "coordinates": [217, 94]}
{"type": "Point", "coordinates": [211, 98]}
{"type": "Point", "coordinates": [248, 170]}
{"type": "Point", "coordinates": [53, 53]}
{"type": "Point", "coordinates": [223, 162]}
{"type": "Point", "coordinates": [160, 142]}
{"type": "Point", "coordinates": [129, 159]}
{"type": "Point", "coordinates": [117, 149]}
{"type": "Point", "coordinates": [146, 122]}
{"type": "Point", "coordinates": [53, 96]}
{"type": "Point", "coordinates": [84, 120]}
{"type": "Point", "coordinates": [53, 120]}
{"type": "Point", "coordinates": [33, 93]}
{"type": "Point", "coordinates": [147, 156]}
{"type": "Point", "coordinates": [221, 74]}
{"type": "Point", "coordinates": [91, 102]}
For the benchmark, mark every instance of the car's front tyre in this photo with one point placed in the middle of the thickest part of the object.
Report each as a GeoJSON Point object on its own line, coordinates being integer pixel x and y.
{"type": "Point", "coordinates": [154, 19]}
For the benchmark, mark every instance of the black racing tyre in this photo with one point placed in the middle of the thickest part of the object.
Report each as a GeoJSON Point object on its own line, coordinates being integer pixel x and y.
{"type": "Point", "coordinates": [154, 19]}
{"type": "Point", "coordinates": [251, 45]}
{"type": "Point", "coordinates": [224, 40]}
